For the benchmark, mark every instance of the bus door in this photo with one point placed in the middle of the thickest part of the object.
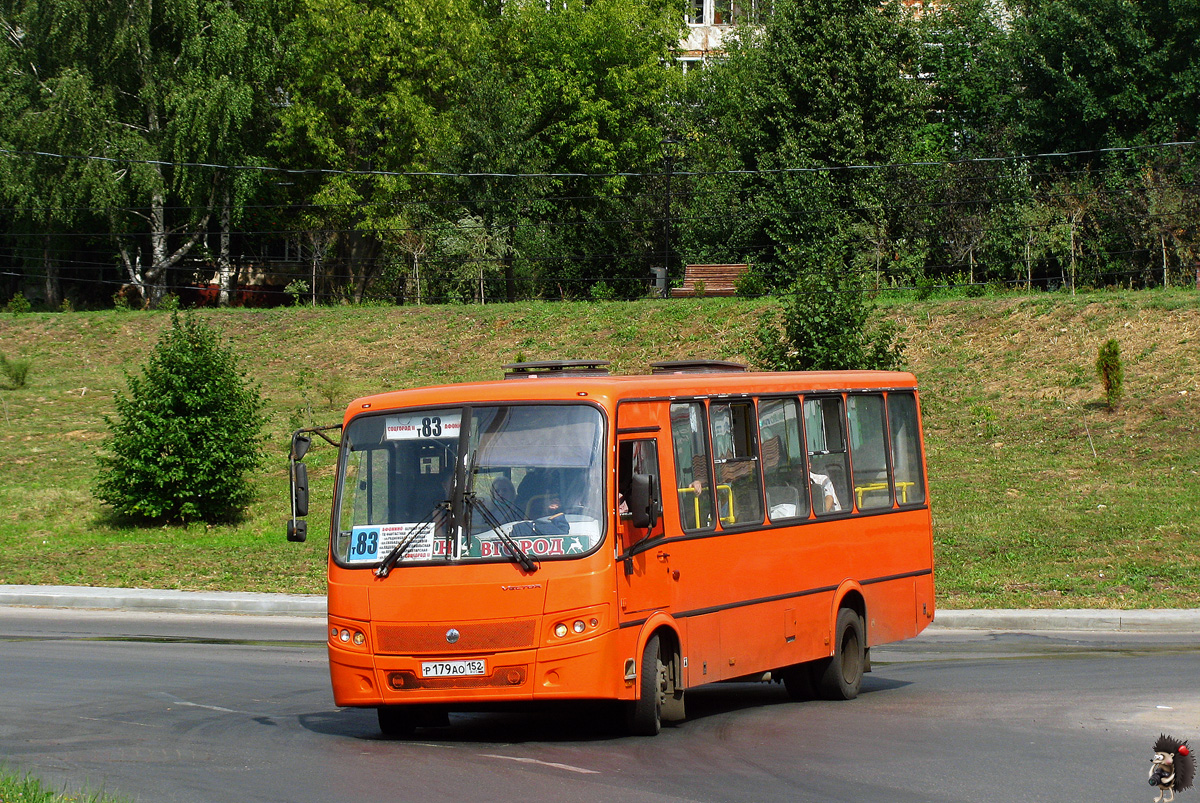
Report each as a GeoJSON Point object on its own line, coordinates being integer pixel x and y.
{"type": "Point", "coordinates": [644, 576]}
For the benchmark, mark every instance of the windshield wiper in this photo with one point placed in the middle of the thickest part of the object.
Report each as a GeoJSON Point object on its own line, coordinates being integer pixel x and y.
{"type": "Point", "coordinates": [393, 557]}
{"type": "Point", "coordinates": [518, 554]}
{"type": "Point", "coordinates": [468, 497]}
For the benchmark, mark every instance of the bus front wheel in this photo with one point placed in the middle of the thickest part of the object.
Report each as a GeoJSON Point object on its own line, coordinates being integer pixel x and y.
{"type": "Point", "coordinates": [840, 677]}
{"type": "Point", "coordinates": [644, 715]}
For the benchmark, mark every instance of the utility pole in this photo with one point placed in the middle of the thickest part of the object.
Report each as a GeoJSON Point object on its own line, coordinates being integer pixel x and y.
{"type": "Point", "coordinates": [668, 165]}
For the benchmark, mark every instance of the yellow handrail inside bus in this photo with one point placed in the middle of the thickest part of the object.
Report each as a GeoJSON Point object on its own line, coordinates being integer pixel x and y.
{"type": "Point", "coordinates": [730, 518]}
{"type": "Point", "coordinates": [901, 487]}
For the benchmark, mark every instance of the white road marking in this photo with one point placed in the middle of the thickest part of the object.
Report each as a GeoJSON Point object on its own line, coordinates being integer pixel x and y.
{"type": "Point", "coordinates": [556, 765]}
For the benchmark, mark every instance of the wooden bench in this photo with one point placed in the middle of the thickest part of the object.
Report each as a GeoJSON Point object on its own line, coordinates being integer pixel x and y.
{"type": "Point", "coordinates": [717, 280]}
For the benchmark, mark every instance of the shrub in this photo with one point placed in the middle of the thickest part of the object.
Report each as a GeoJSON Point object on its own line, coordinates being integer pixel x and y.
{"type": "Point", "coordinates": [18, 304]}
{"type": "Point", "coordinates": [600, 291]}
{"type": "Point", "coordinates": [297, 289]}
{"type": "Point", "coordinates": [17, 371]}
{"type": "Point", "coordinates": [1112, 375]}
{"type": "Point", "coordinates": [187, 434]}
{"type": "Point", "coordinates": [926, 286]}
{"type": "Point", "coordinates": [826, 324]}
{"type": "Point", "coordinates": [751, 284]}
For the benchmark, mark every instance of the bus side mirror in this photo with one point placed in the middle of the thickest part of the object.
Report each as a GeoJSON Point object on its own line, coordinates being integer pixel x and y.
{"type": "Point", "coordinates": [299, 489]}
{"type": "Point", "coordinates": [300, 444]}
{"type": "Point", "coordinates": [297, 530]}
{"type": "Point", "coordinates": [643, 501]}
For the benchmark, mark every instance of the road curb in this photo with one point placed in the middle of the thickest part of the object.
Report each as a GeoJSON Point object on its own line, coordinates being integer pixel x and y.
{"type": "Point", "coordinates": [313, 605]}
{"type": "Point", "coordinates": [147, 599]}
{"type": "Point", "coordinates": [1186, 620]}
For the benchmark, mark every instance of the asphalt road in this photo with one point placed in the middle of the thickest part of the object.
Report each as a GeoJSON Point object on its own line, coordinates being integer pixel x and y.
{"type": "Point", "coordinates": [176, 707]}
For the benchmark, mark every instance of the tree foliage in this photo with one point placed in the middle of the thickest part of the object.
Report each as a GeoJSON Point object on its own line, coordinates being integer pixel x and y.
{"type": "Point", "coordinates": [186, 435]}
{"type": "Point", "coordinates": [454, 150]}
{"type": "Point", "coordinates": [827, 323]}
{"type": "Point", "coordinates": [822, 85]}
{"type": "Point", "coordinates": [1111, 373]}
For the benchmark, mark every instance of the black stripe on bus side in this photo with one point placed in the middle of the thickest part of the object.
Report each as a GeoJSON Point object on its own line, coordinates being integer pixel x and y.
{"type": "Point", "coordinates": [779, 597]}
{"type": "Point", "coordinates": [904, 576]}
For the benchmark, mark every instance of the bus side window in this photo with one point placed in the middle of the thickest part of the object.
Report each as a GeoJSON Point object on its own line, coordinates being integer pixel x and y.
{"type": "Point", "coordinates": [783, 459]}
{"type": "Point", "coordinates": [636, 457]}
{"type": "Point", "coordinates": [693, 478]}
{"type": "Point", "coordinates": [824, 428]}
{"type": "Point", "coordinates": [735, 456]}
{"type": "Point", "coordinates": [868, 451]}
{"type": "Point", "coordinates": [906, 448]}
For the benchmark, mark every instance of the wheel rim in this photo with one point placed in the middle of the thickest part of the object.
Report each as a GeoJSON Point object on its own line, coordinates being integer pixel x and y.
{"type": "Point", "coordinates": [851, 656]}
{"type": "Point", "coordinates": [661, 697]}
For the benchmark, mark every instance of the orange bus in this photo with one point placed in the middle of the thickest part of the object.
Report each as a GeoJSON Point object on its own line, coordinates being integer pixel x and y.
{"type": "Point", "coordinates": [565, 534]}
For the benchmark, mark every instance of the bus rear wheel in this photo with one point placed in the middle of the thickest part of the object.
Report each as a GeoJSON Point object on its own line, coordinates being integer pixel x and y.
{"type": "Point", "coordinates": [840, 677]}
{"type": "Point", "coordinates": [644, 715]}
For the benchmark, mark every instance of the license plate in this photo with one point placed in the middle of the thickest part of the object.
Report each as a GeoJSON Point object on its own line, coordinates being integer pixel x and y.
{"type": "Point", "coordinates": [453, 669]}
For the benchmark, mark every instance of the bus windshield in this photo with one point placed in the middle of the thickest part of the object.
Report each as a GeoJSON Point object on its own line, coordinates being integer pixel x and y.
{"type": "Point", "coordinates": [497, 483]}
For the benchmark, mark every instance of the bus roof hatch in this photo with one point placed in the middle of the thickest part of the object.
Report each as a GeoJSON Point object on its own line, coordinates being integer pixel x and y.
{"type": "Point", "coordinates": [556, 368]}
{"type": "Point", "coordinates": [697, 367]}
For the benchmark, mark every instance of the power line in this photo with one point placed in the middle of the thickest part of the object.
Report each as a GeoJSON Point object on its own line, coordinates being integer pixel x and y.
{"type": "Point", "coordinates": [616, 174]}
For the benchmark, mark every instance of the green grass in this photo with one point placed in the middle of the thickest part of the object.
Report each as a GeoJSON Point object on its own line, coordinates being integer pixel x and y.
{"type": "Point", "coordinates": [26, 789]}
{"type": "Point", "coordinates": [1025, 513]}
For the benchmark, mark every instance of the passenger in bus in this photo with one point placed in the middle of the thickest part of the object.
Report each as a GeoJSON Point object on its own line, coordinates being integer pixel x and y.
{"type": "Point", "coordinates": [535, 489]}
{"type": "Point", "coordinates": [824, 492]}
{"type": "Point", "coordinates": [552, 522]}
{"type": "Point", "coordinates": [504, 500]}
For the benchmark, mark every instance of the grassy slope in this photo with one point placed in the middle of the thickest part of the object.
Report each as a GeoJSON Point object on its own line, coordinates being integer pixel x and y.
{"type": "Point", "coordinates": [1025, 514]}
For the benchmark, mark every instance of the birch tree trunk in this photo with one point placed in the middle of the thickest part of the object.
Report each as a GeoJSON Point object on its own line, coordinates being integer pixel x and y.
{"type": "Point", "coordinates": [226, 271]}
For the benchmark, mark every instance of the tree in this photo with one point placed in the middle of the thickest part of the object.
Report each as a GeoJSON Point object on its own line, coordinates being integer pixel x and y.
{"type": "Point", "coordinates": [827, 324]}
{"type": "Point", "coordinates": [969, 62]}
{"type": "Point", "coordinates": [576, 94]}
{"type": "Point", "coordinates": [370, 95]}
{"type": "Point", "coordinates": [823, 85]}
{"type": "Point", "coordinates": [154, 89]}
{"type": "Point", "coordinates": [187, 434]}
{"type": "Point", "coordinates": [1112, 375]}
{"type": "Point", "coordinates": [1106, 73]}
{"type": "Point", "coordinates": [48, 106]}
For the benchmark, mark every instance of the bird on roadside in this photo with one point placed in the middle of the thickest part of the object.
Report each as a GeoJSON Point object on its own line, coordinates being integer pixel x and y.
{"type": "Point", "coordinates": [1172, 768]}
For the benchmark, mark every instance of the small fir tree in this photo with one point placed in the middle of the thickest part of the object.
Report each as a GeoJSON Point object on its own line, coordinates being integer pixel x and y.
{"type": "Point", "coordinates": [1112, 375]}
{"type": "Point", "coordinates": [185, 438]}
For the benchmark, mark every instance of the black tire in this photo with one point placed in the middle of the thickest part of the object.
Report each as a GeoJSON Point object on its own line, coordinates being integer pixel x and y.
{"type": "Point", "coordinates": [840, 677]}
{"type": "Point", "coordinates": [644, 715]}
{"type": "Point", "coordinates": [396, 721]}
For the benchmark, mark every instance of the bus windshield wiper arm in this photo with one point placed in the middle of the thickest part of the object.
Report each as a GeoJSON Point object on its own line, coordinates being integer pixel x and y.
{"type": "Point", "coordinates": [519, 555]}
{"type": "Point", "coordinates": [393, 557]}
